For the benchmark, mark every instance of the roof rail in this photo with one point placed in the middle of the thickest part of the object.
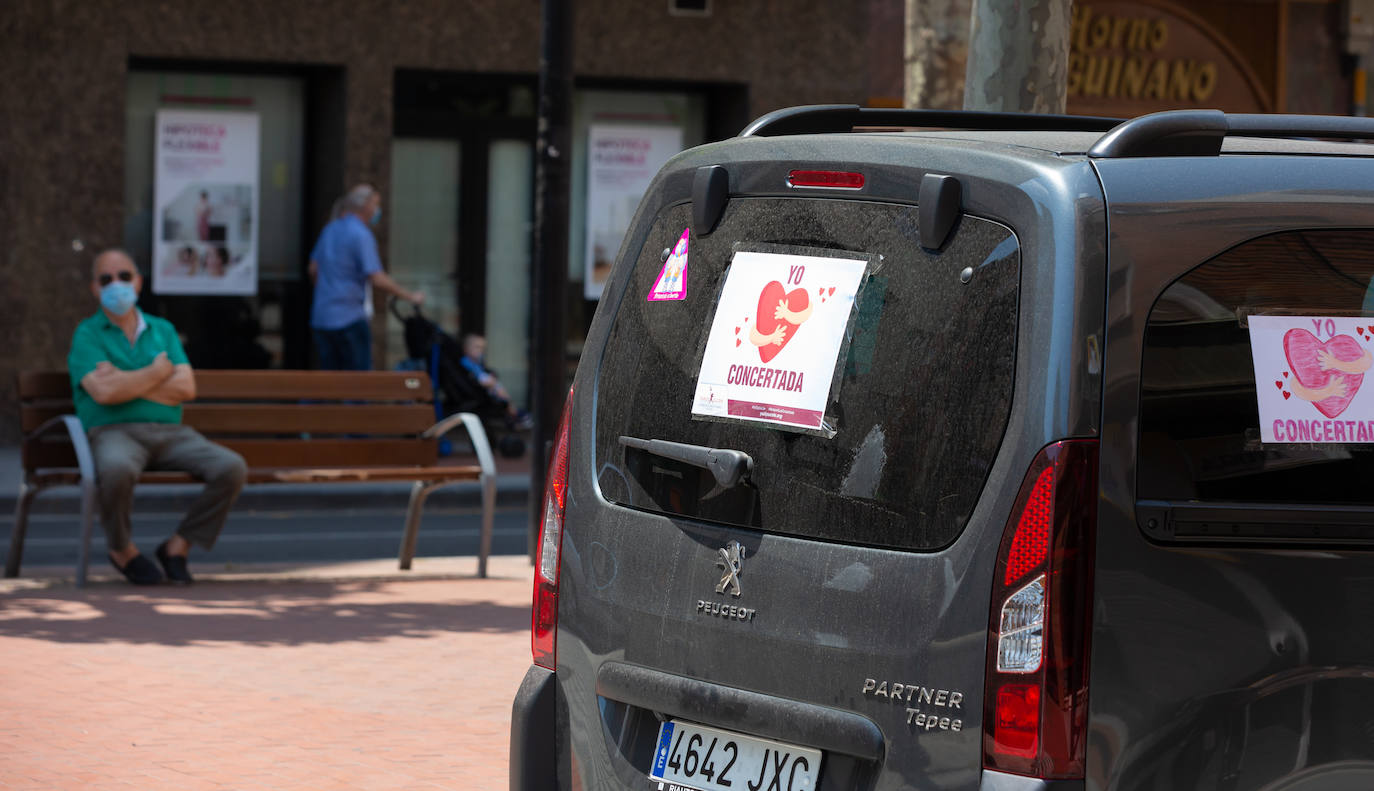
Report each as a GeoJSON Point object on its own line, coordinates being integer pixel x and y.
{"type": "Point", "coordinates": [821, 118]}
{"type": "Point", "coordinates": [1199, 133]}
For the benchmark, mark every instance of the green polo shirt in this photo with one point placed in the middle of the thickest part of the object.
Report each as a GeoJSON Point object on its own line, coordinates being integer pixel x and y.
{"type": "Point", "coordinates": [98, 339]}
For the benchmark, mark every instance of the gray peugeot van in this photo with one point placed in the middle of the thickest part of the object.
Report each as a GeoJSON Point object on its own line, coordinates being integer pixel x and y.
{"type": "Point", "coordinates": [1021, 452]}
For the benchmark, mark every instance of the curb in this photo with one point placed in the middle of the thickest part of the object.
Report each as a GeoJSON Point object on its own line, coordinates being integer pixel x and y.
{"type": "Point", "coordinates": [511, 491]}
{"type": "Point", "coordinates": [426, 569]}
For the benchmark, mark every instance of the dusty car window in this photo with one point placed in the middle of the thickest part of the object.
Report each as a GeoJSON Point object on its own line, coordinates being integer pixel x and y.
{"type": "Point", "coordinates": [919, 406]}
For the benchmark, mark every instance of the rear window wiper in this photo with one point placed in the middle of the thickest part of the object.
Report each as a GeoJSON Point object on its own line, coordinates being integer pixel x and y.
{"type": "Point", "coordinates": [729, 467]}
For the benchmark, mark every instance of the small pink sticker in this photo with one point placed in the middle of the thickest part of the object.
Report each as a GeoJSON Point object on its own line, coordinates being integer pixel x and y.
{"type": "Point", "coordinates": [672, 280]}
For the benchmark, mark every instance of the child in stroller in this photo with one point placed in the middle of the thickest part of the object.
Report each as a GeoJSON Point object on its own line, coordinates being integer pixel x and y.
{"type": "Point", "coordinates": [457, 383]}
{"type": "Point", "coordinates": [475, 363]}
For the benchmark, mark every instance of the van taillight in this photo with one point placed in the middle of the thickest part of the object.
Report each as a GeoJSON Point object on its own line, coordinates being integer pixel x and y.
{"type": "Point", "coordinates": [544, 613]}
{"type": "Point", "coordinates": [1036, 694]}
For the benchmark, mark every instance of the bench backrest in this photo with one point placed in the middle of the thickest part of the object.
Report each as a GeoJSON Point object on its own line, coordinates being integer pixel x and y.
{"type": "Point", "coordinates": [313, 419]}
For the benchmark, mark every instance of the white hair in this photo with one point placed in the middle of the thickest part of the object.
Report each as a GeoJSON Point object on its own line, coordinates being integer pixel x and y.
{"type": "Point", "coordinates": [356, 198]}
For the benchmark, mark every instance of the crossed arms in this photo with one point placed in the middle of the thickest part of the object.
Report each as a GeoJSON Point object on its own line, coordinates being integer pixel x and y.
{"type": "Point", "coordinates": [161, 381]}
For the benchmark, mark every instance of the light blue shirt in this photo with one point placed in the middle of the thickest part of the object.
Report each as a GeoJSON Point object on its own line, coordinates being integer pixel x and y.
{"type": "Point", "coordinates": [347, 256]}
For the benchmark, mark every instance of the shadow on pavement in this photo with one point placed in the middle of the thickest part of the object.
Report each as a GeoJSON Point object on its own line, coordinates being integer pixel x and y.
{"type": "Point", "coordinates": [297, 613]}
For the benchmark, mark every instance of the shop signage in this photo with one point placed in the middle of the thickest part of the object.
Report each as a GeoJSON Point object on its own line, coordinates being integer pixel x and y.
{"type": "Point", "coordinates": [1130, 58]}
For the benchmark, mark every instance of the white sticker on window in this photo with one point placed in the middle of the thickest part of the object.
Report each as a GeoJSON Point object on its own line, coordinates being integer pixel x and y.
{"type": "Point", "coordinates": [776, 338]}
{"type": "Point", "coordinates": [1309, 373]}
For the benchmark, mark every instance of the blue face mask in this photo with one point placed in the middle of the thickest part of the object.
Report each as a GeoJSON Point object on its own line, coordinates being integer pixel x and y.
{"type": "Point", "coordinates": [118, 297]}
{"type": "Point", "coordinates": [376, 217]}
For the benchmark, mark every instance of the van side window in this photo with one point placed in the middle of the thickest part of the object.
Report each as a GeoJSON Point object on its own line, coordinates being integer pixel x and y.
{"type": "Point", "coordinates": [1199, 417]}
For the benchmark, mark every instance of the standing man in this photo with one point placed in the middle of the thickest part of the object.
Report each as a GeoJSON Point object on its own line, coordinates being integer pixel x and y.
{"type": "Point", "coordinates": [129, 378]}
{"type": "Point", "coordinates": [343, 264]}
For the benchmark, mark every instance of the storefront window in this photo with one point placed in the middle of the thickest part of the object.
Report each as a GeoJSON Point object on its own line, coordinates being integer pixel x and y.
{"type": "Point", "coordinates": [238, 331]}
{"type": "Point", "coordinates": [648, 122]}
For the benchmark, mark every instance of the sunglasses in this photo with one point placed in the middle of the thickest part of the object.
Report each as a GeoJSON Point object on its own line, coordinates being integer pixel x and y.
{"type": "Point", "coordinates": [125, 276]}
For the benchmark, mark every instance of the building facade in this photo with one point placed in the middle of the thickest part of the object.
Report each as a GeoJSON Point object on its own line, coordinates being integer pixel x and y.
{"type": "Point", "coordinates": [434, 102]}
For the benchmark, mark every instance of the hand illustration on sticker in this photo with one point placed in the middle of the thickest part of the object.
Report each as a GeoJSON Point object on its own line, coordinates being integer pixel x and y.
{"type": "Point", "coordinates": [1326, 373]}
{"type": "Point", "coordinates": [779, 314]}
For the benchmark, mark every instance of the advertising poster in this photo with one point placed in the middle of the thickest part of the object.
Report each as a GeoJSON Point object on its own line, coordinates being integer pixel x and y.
{"type": "Point", "coordinates": [776, 338]}
{"type": "Point", "coordinates": [621, 161]}
{"type": "Point", "coordinates": [1309, 377]}
{"type": "Point", "coordinates": [205, 218]}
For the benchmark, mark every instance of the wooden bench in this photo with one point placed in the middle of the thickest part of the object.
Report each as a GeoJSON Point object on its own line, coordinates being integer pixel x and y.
{"type": "Point", "coordinates": [289, 426]}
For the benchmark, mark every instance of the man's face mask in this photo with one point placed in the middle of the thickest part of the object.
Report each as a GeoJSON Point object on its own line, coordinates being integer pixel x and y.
{"type": "Point", "coordinates": [118, 297]}
{"type": "Point", "coordinates": [376, 216]}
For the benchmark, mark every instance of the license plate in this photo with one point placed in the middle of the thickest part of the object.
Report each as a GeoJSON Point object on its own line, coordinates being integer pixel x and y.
{"type": "Point", "coordinates": [698, 757]}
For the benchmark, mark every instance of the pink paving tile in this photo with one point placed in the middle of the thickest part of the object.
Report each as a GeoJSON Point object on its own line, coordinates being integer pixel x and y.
{"type": "Point", "coordinates": [277, 684]}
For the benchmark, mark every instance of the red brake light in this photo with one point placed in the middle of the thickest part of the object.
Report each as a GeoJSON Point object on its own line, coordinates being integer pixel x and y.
{"type": "Point", "coordinates": [1036, 689]}
{"type": "Point", "coordinates": [1017, 730]}
{"type": "Point", "coordinates": [1031, 542]}
{"type": "Point", "coordinates": [544, 613]}
{"type": "Point", "coordinates": [825, 178]}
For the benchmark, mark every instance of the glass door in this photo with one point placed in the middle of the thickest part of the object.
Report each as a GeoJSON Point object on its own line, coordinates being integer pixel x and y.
{"type": "Point", "coordinates": [422, 251]}
{"type": "Point", "coordinates": [510, 234]}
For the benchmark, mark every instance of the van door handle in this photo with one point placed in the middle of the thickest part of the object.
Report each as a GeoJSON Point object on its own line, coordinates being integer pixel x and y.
{"type": "Point", "coordinates": [730, 467]}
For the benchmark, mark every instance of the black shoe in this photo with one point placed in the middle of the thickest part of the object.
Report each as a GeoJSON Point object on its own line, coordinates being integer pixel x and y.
{"type": "Point", "coordinates": [174, 565]}
{"type": "Point", "coordinates": [139, 571]}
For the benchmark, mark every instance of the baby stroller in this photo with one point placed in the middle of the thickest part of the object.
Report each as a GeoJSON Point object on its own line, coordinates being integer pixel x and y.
{"type": "Point", "coordinates": [455, 388]}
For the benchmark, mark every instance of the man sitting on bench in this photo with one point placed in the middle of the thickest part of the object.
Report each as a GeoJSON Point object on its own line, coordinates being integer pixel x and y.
{"type": "Point", "coordinates": [129, 377]}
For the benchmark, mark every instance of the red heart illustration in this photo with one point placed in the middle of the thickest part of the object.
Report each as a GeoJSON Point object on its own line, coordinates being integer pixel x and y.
{"type": "Point", "coordinates": [1301, 348]}
{"type": "Point", "coordinates": [737, 330]}
{"type": "Point", "coordinates": [737, 342]}
{"type": "Point", "coordinates": [832, 292]}
{"type": "Point", "coordinates": [773, 293]}
{"type": "Point", "coordinates": [1278, 383]}
{"type": "Point", "coordinates": [1286, 394]}
{"type": "Point", "coordinates": [1285, 374]}
{"type": "Point", "coordinates": [1371, 327]}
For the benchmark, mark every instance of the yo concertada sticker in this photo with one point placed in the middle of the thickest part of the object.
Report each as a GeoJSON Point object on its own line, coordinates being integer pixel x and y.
{"type": "Point", "coordinates": [1309, 377]}
{"type": "Point", "coordinates": [776, 337]}
{"type": "Point", "coordinates": [672, 280]}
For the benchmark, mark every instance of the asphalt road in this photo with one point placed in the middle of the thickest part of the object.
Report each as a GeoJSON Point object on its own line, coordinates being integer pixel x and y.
{"type": "Point", "coordinates": [255, 536]}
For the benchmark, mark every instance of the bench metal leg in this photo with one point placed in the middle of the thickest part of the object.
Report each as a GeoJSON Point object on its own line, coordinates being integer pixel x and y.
{"type": "Point", "coordinates": [488, 515]}
{"type": "Point", "coordinates": [88, 506]}
{"type": "Point", "coordinates": [27, 491]}
{"type": "Point", "coordinates": [418, 492]}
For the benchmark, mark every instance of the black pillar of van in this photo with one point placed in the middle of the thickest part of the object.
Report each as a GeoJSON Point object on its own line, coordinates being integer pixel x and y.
{"type": "Point", "coordinates": [549, 280]}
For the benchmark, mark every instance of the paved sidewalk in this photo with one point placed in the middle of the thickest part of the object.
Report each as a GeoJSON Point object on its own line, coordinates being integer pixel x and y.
{"type": "Point", "coordinates": [342, 676]}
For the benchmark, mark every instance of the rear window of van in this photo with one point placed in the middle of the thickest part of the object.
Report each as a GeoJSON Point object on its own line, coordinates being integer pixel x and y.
{"type": "Point", "coordinates": [921, 385]}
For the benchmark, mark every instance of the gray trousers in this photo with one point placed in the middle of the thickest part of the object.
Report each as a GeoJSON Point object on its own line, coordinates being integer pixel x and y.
{"type": "Point", "coordinates": [124, 450]}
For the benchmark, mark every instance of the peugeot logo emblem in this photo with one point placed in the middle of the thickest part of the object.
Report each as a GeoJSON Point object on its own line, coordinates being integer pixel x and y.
{"type": "Point", "coordinates": [731, 559]}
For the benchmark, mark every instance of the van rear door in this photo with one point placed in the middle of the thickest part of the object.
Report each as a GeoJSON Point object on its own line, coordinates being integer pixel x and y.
{"type": "Point", "coordinates": [813, 596]}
